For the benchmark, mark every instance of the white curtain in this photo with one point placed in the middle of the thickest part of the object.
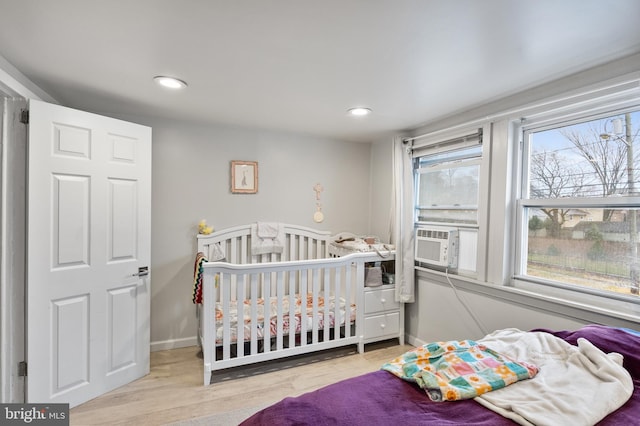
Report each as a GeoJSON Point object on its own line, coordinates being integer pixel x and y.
{"type": "Point", "coordinates": [402, 220]}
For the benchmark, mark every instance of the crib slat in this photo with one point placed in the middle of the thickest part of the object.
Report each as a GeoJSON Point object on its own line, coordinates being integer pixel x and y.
{"type": "Point", "coordinates": [326, 292]}
{"type": "Point", "coordinates": [240, 298]}
{"type": "Point", "coordinates": [303, 307]}
{"type": "Point", "coordinates": [291, 255]}
{"type": "Point", "coordinates": [315, 281]}
{"type": "Point", "coordinates": [233, 250]}
{"type": "Point", "coordinates": [254, 314]}
{"type": "Point", "coordinates": [309, 248]}
{"type": "Point", "coordinates": [348, 298]}
{"type": "Point", "coordinates": [209, 318]}
{"type": "Point", "coordinates": [225, 294]}
{"type": "Point", "coordinates": [292, 309]}
{"type": "Point", "coordinates": [266, 326]}
{"type": "Point", "coordinates": [301, 248]}
{"type": "Point", "coordinates": [337, 294]}
{"type": "Point", "coordinates": [280, 308]}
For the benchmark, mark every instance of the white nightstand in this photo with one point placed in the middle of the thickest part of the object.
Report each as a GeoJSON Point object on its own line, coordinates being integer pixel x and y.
{"type": "Point", "coordinates": [383, 316]}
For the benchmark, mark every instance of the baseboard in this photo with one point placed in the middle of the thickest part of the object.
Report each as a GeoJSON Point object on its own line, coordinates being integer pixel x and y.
{"type": "Point", "coordinates": [174, 344]}
{"type": "Point", "coordinates": [414, 341]}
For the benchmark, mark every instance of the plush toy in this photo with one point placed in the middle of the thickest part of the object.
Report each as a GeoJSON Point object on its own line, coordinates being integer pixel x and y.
{"type": "Point", "coordinates": [203, 228]}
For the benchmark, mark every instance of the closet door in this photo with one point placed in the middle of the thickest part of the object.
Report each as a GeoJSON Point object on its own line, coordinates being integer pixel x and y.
{"type": "Point", "coordinates": [88, 244]}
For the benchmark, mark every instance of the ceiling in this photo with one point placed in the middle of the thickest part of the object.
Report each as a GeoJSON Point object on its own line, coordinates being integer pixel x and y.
{"type": "Point", "coordinates": [298, 65]}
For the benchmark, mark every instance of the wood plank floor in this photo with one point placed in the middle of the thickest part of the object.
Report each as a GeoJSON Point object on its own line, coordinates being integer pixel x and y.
{"type": "Point", "coordinates": [173, 390]}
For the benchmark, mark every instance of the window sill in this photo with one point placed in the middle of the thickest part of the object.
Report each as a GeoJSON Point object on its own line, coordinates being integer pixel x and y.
{"type": "Point", "coordinates": [567, 303]}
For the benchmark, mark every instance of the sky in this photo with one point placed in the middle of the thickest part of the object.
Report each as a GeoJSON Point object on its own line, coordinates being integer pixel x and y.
{"type": "Point", "coordinates": [574, 162]}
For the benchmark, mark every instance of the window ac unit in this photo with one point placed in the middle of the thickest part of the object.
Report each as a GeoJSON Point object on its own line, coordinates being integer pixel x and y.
{"type": "Point", "coordinates": [437, 246]}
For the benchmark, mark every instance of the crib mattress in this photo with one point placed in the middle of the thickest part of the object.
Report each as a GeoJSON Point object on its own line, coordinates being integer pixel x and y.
{"type": "Point", "coordinates": [270, 309]}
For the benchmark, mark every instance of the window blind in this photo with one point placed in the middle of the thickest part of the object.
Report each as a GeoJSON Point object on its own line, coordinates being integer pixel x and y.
{"type": "Point", "coordinates": [435, 147]}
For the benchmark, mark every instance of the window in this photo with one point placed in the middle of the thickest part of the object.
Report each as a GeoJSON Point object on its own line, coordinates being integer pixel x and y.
{"type": "Point", "coordinates": [447, 186]}
{"type": "Point", "coordinates": [580, 201]}
{"type": "Point", "coordinates": [448, 176]}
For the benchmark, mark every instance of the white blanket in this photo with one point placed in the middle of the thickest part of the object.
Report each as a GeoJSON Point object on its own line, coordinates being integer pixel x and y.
{"type": "Point", "coordinates": [267, 238]}
{"type": "Point", "coordinates": [576, 385]}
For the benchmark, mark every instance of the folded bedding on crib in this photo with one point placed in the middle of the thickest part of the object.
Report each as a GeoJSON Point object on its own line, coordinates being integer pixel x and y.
{"type": "Point", "coordinates": [267, 238]}
{"type": "Point", "coordinates": [271, 309]}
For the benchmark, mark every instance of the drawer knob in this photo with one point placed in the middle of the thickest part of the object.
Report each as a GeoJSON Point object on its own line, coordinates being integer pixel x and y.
{"type": "Point", "coordinates": [383, 300]}
{"type": "Point", "coordinates": [382, 325]}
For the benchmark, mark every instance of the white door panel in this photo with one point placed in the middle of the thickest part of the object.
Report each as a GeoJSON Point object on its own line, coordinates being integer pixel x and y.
{"type": "Point", "coordinates": [89, 202]}
{"type": "Point", "coordinates": [122, 220]}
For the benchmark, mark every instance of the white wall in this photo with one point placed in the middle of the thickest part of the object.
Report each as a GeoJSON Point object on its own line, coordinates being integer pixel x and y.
{"type": "Point", "coordinates": [440, 312]}
{"type": "Point", "coordinates": [191, 182]}
{"type": "Point", "coordinates": [381, 188]}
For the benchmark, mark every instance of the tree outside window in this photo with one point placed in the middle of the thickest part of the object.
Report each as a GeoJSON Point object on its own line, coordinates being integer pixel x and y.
{"type": "Point", "coordinates": [581, 187]}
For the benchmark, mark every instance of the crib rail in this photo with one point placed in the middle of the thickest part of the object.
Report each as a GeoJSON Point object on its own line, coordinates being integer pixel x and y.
{"type": "Point", "coordinates": [314, 306]}
{"type": "Point", "coordinates": [300, 243]}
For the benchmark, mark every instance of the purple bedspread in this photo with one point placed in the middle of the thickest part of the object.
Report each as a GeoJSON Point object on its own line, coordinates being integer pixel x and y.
{"type": "Point", "coordinates": [380, 398]}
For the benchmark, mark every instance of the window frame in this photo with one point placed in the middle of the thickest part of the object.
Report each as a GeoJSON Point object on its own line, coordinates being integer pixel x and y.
{"type": "Point", "coordinates": [450, 140]}
{"type": "Point", "coordinates": [445, 164]}
{"type": "Point", "coordinates": [593, 110]}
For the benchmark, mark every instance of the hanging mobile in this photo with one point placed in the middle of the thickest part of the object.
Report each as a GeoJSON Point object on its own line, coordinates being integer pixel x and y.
{"type": "Point", "coordinates": [318, 216]}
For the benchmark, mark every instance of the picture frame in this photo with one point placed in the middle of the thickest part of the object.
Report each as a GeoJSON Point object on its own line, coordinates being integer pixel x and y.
{"type": "Point", "coordinates": [244, 177]}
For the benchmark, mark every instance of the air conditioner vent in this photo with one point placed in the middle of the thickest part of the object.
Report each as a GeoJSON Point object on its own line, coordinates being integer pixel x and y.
{"type": "Point", "coordinates": [437, 246]}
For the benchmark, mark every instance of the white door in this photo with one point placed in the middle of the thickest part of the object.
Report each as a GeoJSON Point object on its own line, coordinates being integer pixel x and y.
{"type": "Point", "coordinates": [89, 225]}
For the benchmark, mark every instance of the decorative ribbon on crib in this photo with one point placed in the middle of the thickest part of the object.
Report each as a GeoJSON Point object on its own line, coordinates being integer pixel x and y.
{"type": "Point", "coordinates": [198, 272]}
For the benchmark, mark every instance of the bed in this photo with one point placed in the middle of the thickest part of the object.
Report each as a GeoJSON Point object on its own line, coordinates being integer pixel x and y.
{"type": "Point", "coordinates": [382, 398]}
{"type": "Point", "coordinates": [269, 290]}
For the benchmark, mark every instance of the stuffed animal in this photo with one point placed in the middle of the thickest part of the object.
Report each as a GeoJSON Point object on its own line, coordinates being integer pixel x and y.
{"type": "Point", "coordinates": [203, 228]}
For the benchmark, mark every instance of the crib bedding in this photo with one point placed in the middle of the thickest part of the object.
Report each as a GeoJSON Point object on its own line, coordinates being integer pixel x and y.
{"type": "Point", "coordinates": [380, 398]}
{"type": "Point", "coordinates": [301, 310]}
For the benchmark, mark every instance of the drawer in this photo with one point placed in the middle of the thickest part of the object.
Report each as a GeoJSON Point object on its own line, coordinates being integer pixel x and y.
{"type": "Point", "coordinates": [380, 300]}
{"type": "Point", "coordinates": [381, 325]}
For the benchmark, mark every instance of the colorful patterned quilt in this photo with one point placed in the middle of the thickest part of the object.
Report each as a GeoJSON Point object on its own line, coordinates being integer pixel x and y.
{"type": "Point", "coordinates": [455, 370]}
{"type": "Point", "coordinates": [271, 310]}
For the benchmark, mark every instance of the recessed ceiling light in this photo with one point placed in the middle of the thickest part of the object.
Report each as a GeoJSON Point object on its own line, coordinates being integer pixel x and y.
{"type": "Point", "coordinates": [170, 82]}
{"type": "Point", "coordinates": [359, 111]}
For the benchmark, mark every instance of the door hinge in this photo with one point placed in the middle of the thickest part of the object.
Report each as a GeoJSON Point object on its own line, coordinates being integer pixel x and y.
{"type": "Point", "coordinates": [24, 116]}
{"type": "Point", "coordinates": [22, 369]}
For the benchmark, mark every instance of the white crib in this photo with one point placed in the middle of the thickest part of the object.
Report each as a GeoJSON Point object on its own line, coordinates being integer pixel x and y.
{"type": "Point", "coordinates": [263, 307]}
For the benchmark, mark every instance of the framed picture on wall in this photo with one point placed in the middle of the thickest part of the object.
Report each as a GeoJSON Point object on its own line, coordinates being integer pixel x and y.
{"type": "Point", "coordinates": [244, 177]}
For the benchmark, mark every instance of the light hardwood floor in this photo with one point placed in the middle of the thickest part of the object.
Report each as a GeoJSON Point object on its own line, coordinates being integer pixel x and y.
{"type": "Point", "coordinates": [173, 390]}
